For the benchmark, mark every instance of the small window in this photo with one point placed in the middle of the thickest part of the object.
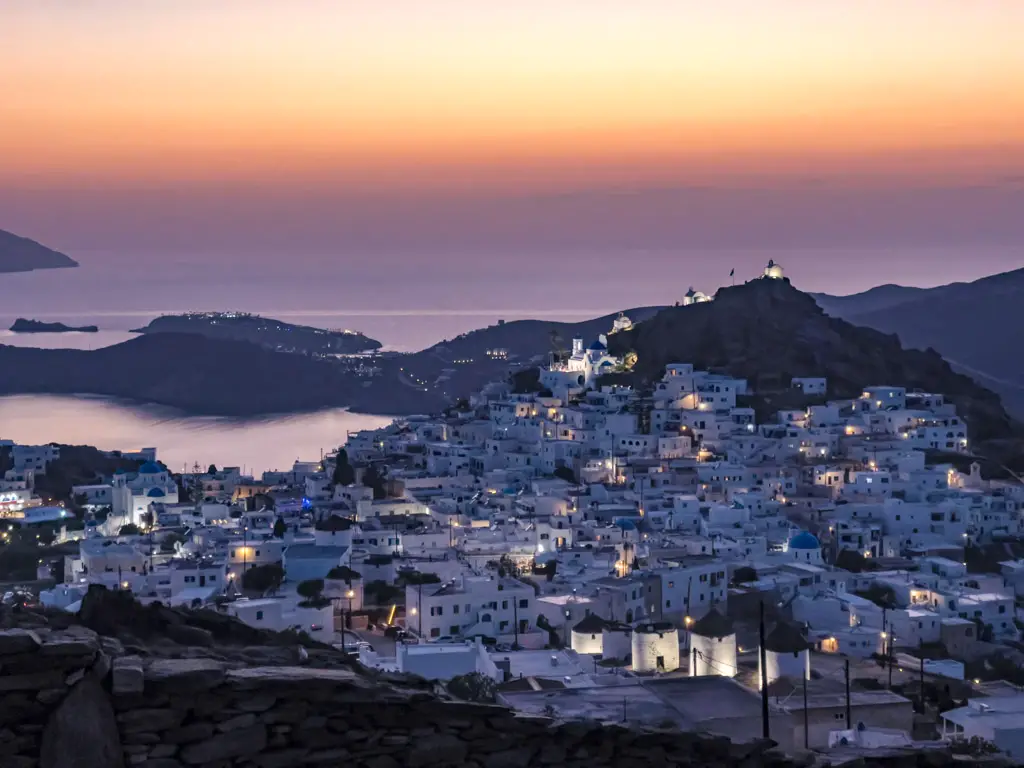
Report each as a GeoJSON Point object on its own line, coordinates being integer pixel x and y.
{"type": "Point", "coordinates": [259, 615]}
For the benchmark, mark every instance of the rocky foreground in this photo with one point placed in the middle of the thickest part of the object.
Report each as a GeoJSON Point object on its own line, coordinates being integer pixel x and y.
{"type": "Point", "coordinates": [73, 697]}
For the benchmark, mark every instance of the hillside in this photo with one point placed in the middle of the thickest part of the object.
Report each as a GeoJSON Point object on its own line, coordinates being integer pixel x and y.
{"type": "Point", "coordinates": [459, 367]}
{"type": "Point", "coordinates": [768, 332]}
{"type": "Point", "coordinates": [19, 254]}
{"type": "Point", "coordinates": [871, 300]}
{"type": "Point", "coordinates": [267, 332]}
{"type": "Point", "coordinates": [978, 327]}
{"type": "Point", "coordinates": [225, 377]}
{"type": "Point", "coordinates": [203, 376]}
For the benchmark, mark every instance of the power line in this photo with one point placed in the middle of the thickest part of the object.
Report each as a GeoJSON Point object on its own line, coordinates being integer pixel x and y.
{"type": "Point", "coordinates": [729, 672]}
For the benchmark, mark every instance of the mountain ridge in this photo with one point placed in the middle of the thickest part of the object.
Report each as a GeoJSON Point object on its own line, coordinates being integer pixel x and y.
{"type": "Point", "coordinates": [21, 254]}
{"type": "Point", "coordinates": [977, 326]}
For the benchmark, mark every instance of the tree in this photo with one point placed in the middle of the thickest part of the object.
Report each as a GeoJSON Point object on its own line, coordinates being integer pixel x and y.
{"type": "Point", "coordinates": [280, 528]}
{"type": "Point", "coordinates": [261, 578]}
{"type": "Point", "coordinates": [46, 536]}
{"type": "Point", "coordinates": [381, 593]}
{"type": "Point", "coordinates": [507, 566]}
{"type": "Point", "coordinates": [169, 542]}
{"type": "Point", "coordinates": [372, 478]}
{"type": "Point", "coordinates": [343, 573]}
{"type": "Point", "coordinates": [881, 595]}
{"type": "Point", "coordinates": [473, 687]}
{"type": "Point", "coordinates": [129, 529]}
{"type": "Point", "coordinates": [312, 591]}
{"type": "Point", "coordinates": [413, 578]}
{"type": "Point", "coordinates": [851, 560]}
{"type": "Point", "coordinates": [565, 473]}
{"type": "Point", "coordinates": [212, 469]}
{"type": "Point", "coordinates": [343, 472]}
{"type": "Point", "coordinates": [547, 569]}
{"type": "Point", "coordinates": [744, 575]}
{"type": "Point", "coordinates": [311, 588]}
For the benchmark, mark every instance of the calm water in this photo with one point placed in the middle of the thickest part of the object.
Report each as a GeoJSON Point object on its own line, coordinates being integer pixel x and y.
{"type": "Point", "coordinates": [118, 298]}
{"type": "Point", "coordinates": [273, 443]}
{"type": "Point", "coordinates": [406, 316]}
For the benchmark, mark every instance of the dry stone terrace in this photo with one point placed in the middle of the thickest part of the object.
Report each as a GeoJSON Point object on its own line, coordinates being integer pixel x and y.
{"type": "Point", "coordinates": [72, 698]}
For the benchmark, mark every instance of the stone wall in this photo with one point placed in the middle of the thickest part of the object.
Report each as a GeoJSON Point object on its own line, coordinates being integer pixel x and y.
{"type": "Point", "coordinates": [43, 673]}
{"type": "Point", "coordinates": [73, 699]}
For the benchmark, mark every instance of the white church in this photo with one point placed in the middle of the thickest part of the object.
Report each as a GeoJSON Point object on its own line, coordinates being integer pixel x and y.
{"type": "Point", "coordinates": [582, 368]}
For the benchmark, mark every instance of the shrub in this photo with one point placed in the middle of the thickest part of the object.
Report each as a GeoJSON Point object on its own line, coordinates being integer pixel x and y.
{"type": "Point", "coordinates": [263, 577]}
{"type": "Point", "coordinates": [311, 589]}
{"type": "Point", "coordinates": [473, 687]}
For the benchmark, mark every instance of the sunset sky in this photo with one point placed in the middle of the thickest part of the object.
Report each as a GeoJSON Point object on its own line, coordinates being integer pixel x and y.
{"type": "Point", "coordinates": [463, 124]}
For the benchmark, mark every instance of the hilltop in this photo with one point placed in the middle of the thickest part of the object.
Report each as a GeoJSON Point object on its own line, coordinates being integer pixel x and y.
{"type": "Point", "coordinates": [267, 332]}
{"type": "Point", "coordinates": [768, 332]}
{"type": "Point", "coordinates": [978, 327]}
{"type": "Point", "coordinates": [19, 254]}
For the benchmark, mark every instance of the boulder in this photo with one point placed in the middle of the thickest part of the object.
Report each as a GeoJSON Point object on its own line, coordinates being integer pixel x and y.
{"type": "Point", "coordinates": [149, 720]}
{"type": "Point", "coordinates": [186, 635]}
{"type": "Point", "coordinates": [82, 731]}
{"type": "Point", "coordinates": [128, 676]}
{"type": "Point", "coordinates": [18, 641]}
{"type": "Point", "coordinates": [223, 746]}
{"type": "Point", "coordinates": [185, 675]}
{"type": "Point", "coordinates": [35, 681]}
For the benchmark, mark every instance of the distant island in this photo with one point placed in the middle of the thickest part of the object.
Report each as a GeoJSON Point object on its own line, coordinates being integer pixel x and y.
{"type": "Point", "coordinates": [21, 325]}
{"type": "Point", "coordinates": [19, 254]}
{"type": "Point", "coordinates": [264, 331]}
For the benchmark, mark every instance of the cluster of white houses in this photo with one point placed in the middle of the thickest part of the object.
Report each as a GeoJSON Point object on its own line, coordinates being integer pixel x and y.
{"type": "Point", "coordinates": [595, 538]}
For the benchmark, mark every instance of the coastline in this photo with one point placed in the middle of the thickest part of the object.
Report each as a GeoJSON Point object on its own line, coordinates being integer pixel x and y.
{"type": "Point", "coordinates": [167, 412]}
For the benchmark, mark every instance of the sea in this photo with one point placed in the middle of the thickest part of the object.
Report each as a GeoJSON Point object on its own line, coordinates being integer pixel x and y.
{"type": "Point", "coordinates": [120, 297]}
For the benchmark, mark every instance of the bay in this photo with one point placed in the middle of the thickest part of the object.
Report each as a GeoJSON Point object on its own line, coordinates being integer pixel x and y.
{"type": "Point", "coordinates": [274, 442]}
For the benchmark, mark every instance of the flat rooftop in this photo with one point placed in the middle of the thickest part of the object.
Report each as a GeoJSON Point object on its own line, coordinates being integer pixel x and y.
{"type": "Point", "coordinates": [686, 701]}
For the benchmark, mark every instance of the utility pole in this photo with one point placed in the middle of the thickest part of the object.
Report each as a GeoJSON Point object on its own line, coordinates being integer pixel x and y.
{"type": "Point", "coordinates": [890, 638]}
{"type": "Point", "coordinates": [807, 733]}
{"type": "Point", "coordinates": [515, 619]}
{"type": "Point", "coordinates": [846, 671]}
{"type": "Point", "coordinates": [921, 679]}
{"type": "Point", "coordinates": [765, 729]}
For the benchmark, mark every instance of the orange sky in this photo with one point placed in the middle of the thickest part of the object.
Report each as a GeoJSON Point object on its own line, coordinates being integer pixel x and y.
{"type": "Point", "coordinates": [409, 92]}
